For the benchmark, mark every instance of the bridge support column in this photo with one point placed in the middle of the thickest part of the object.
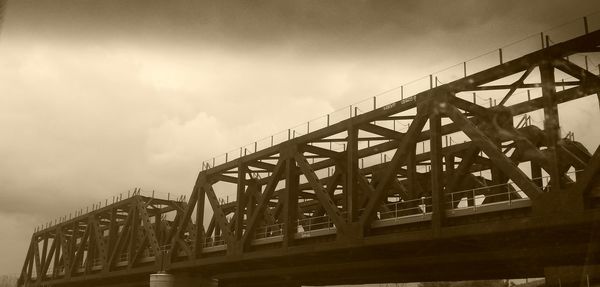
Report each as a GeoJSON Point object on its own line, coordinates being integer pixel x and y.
{"type": "Point", "coordinates": [572, 276]}
{"type": "Point", "coordinates": [163, 279]}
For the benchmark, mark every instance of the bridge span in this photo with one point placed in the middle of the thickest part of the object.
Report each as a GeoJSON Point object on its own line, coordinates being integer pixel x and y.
{"type": "Point", "coordinates": [463, 190]}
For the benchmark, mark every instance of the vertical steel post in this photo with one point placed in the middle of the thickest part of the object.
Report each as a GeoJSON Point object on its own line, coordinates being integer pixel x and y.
{"type": "Point", "coordinates": [430, 81]}
{"type": "Point", "coordinates": [436, 170]}
{"type": "Point", "coordinates": [352, 191]}
{"type": "Point", "coordinates": [551, 120]}
{"type": "Point", "coordinates": [401, 92]}
{"type": "Point", "coordinates": [241, 202]}
{"type": "Point", "coordinates": [290, 197]}
{"type": "Point", "coordinates": [542, 39]}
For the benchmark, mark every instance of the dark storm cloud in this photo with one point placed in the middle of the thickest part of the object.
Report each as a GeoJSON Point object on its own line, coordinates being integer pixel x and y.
{"type": "Point", "coordinates": [310, 24]}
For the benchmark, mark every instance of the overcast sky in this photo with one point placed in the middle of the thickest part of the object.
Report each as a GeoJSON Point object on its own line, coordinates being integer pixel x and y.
{"type": "Point", "coordinates": [100, 96]}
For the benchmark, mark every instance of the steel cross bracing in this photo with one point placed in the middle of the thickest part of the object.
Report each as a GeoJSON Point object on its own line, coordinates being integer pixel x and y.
{"type": "Point", "coordinates": [307, 196]}
{"type": "Point", "coordinates": [129, 233]}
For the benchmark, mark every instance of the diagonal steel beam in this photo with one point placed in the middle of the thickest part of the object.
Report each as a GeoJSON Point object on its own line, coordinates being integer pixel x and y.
{"type": "Point", "coordinates": [378, 130]}
{"type": "Point", "coordinates": [185, 217]}
{"type": "Point", "coordinates": [65, 250]}
{"type": "Point", "coordinates": [575, 71]}
{"type": "Point", "coordinates": [393, 166]}
{"type": "Point", "coordinates": [99, 238]}
{"type": "Point", "coordinates": [263, 165]}
{"type": "Point", "coordinates": [139, 251]}
{"type": "Point", "coordinates": [220, 216]}
{"type": "Point", "coordinates": [263, 204]}
{"type": "Point", "coordinates": [322, 151]}
{"type": "Point", "coordinates": [49, 258]}
{"type": "Point", "coordinates": [470, 107]}
{"type": "Point", "coordinates": [28, 257]}
{"type": "Point", "coordinates": [495, 154]}
{"type": "Point", "coordinates": [133, 232]}
{"type": "Point", "coordinates": [332, 184]}
{"type": "Point", "coordinates": [80, 249]}
{"type": "Point", "coordinates": [36, 256]}
{"type": "Point", "coordinates": [589, 175]}
{"type": "Point", "coordinates": [516, 85]}
{"type": "Point", "coordinates": [147, 226]}
{"type": "Point", "coordinates": [463, 168]}
{"type": "Point", "coordinates": [561, 97]}
{"type": "Point", "coordinates": [326, 201]}
{"type": "Point", "coordinates": [121, 239]}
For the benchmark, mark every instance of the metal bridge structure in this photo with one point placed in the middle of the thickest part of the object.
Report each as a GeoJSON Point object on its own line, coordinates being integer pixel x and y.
{"type": "Point", "coordinates": [503, 199]}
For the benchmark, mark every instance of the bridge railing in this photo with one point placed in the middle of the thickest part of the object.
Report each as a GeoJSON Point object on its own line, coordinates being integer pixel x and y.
{"type": "Point", "coordinates": [315, 223]}
{"type": "Point", "coordinates": [529, 44]}
{"type": "Point", "coordinates": [213, 242]}
{"type": "Point", "coordinates": [420, 206]}
{"type": "Point", "coordinates": [506, 192]}
{"type": "Point", "coordinates": [269, 231]}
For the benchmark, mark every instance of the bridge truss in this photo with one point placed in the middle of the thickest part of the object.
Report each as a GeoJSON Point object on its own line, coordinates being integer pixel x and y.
{"type": "Point", "coordinates": [363, 201]}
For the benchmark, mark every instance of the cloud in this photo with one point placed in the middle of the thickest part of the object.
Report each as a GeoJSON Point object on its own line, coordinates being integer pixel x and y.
{"type": "Point", "coordinates": [175, 140]}
{"type": "Point", "coordinates": [312, 26]}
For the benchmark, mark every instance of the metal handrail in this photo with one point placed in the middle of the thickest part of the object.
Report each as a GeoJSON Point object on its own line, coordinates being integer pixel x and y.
{"type": "Point", "coordinates": [309, 224]}
{"type": "Point", "coordinates": [213, 241]}
{"type": "Point", "coordinates": [269, 231]}
{"type": "Point", "coordinates": [511, 188]}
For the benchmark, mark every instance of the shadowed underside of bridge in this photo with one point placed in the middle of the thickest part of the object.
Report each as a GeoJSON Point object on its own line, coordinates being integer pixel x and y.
{"type": "Point", "coordinates": [509, 200]}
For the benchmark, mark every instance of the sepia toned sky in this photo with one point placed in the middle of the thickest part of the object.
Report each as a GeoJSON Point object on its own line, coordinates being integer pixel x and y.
{"type": "Point", "coordinates": [100, 96]}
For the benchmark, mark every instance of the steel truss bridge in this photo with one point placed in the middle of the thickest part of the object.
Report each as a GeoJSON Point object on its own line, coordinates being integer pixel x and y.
{"type": "Point", "coordinates": [510, 200]}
